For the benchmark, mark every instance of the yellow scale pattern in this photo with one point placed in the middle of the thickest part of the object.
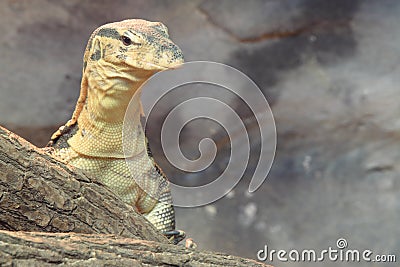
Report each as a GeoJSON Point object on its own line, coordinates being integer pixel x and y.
{"type": "Point", "coordinates": [135, 180]}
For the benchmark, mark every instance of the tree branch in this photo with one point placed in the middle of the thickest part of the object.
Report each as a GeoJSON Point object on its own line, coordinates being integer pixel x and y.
{"type": "Point", "coordinates": [39, 193]}
{"type": "Point", "coordinates": [52, 213]}
{"type": "Point", "coordinates": [27, 248]}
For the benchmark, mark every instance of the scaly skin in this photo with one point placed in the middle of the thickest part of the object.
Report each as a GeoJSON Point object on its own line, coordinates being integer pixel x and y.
{"type": "Point", "coordinates": [118, 59]}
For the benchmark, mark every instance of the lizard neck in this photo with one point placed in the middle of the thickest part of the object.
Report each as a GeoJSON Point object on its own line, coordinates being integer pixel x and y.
{"type": "Point", "coordinates": [101, 115]}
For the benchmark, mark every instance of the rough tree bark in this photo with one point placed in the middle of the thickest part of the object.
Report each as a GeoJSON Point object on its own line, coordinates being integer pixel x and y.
{"type": "Point", "coordinates": [86, 224]}
{"type": "Point", "coordinates": [98, 250]}
{"type": "Point", "coordinates": [39, 193]}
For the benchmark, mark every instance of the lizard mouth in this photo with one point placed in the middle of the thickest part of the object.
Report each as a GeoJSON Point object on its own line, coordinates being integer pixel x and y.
{"type": "Point", "coordinates": [152, 66]}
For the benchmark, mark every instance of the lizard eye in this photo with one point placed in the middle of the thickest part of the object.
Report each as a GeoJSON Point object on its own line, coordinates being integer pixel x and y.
{"type": "Point", "coordinates": [126, 40]}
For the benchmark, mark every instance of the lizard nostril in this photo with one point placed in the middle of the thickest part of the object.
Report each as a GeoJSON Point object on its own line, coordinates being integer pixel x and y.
{"type": "Point", "coordinates": [164, 47]}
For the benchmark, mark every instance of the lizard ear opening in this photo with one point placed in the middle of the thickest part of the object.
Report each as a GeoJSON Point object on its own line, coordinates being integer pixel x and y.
{"type": "Point", "coordinates": [96, 51]}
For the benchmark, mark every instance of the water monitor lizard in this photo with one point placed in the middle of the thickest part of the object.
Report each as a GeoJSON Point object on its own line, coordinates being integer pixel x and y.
{"type": "Point", "coordinates": [118, 59]}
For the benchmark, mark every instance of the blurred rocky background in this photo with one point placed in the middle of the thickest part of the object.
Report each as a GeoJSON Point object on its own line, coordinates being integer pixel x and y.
{"type": "Point", "coordinates": [329, 69]}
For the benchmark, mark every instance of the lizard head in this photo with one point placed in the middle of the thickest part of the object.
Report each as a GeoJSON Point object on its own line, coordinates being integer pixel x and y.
{"type": "Point", "coordinates": [118, 59]}
{"type": "Point", "coordinates": [132, 46]}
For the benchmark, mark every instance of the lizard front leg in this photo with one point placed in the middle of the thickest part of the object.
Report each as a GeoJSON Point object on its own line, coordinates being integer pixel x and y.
{"type": "Point", "coordinates": [162, 213]}
{"type": "Point", "coordinates": [163, 217]}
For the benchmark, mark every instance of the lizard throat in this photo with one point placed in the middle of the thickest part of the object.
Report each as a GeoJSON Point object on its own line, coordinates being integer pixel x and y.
{"type": "Point", "coordinates": [101, 117]}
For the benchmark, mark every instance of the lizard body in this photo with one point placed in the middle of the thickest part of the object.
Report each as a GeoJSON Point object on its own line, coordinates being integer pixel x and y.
{"type": "Point", "coordinates": [118, 59]}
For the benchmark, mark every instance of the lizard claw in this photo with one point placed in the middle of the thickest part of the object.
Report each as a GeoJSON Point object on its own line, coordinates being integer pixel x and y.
{"type": "Point", "coordinates": [175, 236]}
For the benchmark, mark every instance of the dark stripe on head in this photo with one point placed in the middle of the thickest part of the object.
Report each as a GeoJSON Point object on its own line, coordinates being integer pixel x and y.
{"type": "Point", "coordinates": [108, 32]}
{"type": "Point", "coordinates": [96, 55]}
{"type": "Point", "coordinates": [104, 32]}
